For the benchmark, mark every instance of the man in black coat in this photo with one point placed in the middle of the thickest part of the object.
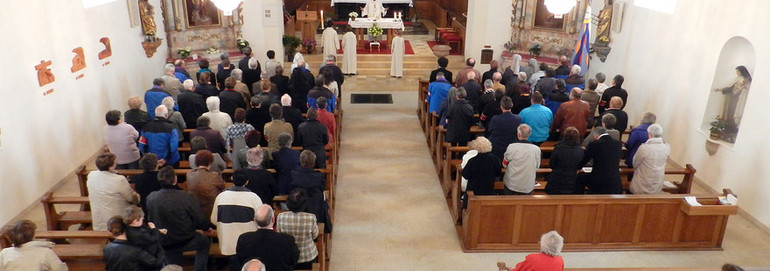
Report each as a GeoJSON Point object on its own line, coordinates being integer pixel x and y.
{"type": "Point", "coordinates": [244, 63]}
{"type": "Point", "coordinates": [331, 68]}
{"type": "Point", "coordinates": [277, 251]}
{"type": "Point", "coordinates": [442, 63]}
{"type": "Point", "coordinates": [257, 116]}
{"type": "Point", "coordinates": [313, 135]}
{"type": "Point", "coordinates": [191, 105]}
{"type": "Point", "coordinates": [177, 211]}
{"type": "Point", "coordinates": [621, 117]}
{"type": "Point", "coordinates": [473, 92]}
{"type": "Point", "coordinates": [281, 81]}
{"type": "Point", "coordinates": [299, 85]}
{"type": "Point", "coordinates": [459, 119]}
{"type": "Point", "coordinates": [605, 176]}
{"type": "Point", "coordinates": [615, 90]}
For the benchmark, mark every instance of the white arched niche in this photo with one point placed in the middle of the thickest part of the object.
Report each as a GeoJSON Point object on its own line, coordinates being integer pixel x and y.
{"type": "Point", "coordinates": [737, 51]}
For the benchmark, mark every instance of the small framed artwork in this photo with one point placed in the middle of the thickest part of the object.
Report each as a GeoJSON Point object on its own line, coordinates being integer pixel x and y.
{"type": "Point", "coordinates": [201, 13]}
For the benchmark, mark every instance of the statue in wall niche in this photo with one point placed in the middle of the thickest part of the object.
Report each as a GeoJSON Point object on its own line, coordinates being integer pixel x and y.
{"type": "Point", "coordinates": [147, 14]}
{"type": "Point", "coordinates": [601, 44]}
{"type": "Point", "coordinates": [732, 95]}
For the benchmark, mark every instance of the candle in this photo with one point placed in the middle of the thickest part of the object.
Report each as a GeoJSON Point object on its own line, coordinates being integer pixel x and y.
{"type": "Point", "coordinates": [322, 19]}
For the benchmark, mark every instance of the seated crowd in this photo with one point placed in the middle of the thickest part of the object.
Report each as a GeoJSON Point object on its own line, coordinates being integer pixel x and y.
{"type": "Point", "coordinates": [523, 107]}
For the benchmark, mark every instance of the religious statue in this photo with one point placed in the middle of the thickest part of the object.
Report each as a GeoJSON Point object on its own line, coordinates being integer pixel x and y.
{"type": "Point", "coordinates": [373, 9]}
{"type": "Point", "coordinates": [732, 94]}
{"type": "Point", "coordinates": [147, 14]}
{"type": "Point", "coordinates": [601, 44]}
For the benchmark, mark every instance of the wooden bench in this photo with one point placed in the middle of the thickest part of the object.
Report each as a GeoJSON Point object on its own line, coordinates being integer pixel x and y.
{"type": "Point", "coordinates": [62, 220]}
{"type": "Point", "coordinates": [683, 187]}
{"type": "Point", "coordinates": [594, 222]}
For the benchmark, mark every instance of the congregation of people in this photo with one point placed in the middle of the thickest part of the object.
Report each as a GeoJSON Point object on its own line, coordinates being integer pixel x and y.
{"type": "Point", "coordinates": [241, 118]}
{"type": "Point", "coordinates": [523, 108]}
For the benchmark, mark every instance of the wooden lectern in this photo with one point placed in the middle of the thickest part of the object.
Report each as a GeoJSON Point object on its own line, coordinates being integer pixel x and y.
{"type": "Point", "coordinates": [307, 21]}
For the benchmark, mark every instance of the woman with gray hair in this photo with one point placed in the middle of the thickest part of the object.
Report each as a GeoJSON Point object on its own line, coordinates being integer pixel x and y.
{"type": "Point", "coordinates": [650, 163]}
{"type": "Point", "coordinates": [547, 260]}
{"type": "Point", "coordinates": [638, 136]}
{"type": "Point", "coordinates": [482, 170]}
{"type": "Point", "coordinates": [135, 115]}
{"type": "Point", "coordinates": [175, 118]}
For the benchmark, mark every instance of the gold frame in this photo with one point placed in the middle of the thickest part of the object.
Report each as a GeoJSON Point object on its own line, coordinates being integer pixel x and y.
{"type": "Point", "coordinates": [210, 4]}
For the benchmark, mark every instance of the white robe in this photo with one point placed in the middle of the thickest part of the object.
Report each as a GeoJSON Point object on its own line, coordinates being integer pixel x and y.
{"type": "Point", "coordinates": [397, 53]}
{"type": "Point", "coordinates": [331, 41]}
{"type": "Point", "coordinates": [349, 61]}
{"type": "Point", "coordinates": [373, 9]}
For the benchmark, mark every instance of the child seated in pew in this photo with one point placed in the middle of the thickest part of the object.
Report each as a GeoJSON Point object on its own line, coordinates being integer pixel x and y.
{"type": "Point", "coordinates": [143, 235]}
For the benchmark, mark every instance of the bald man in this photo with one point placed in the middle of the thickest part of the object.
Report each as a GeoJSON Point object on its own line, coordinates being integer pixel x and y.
{"type": "Point", "coordinates": [253, 265]}
{"type": "Point", "coordinates": [473, 89]}
{"type": "Point", "coordinates": [563, 70]}
{"type": "Point", "coordinates": [462, 76]}
{"type": "Point", "coordinates": [493, 66]}
{"type": "Point", "coordinates": [278, 251]}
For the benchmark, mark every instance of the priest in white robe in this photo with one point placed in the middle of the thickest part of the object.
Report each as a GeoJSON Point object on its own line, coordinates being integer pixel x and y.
{"type": "Point", "coordinates": [374, 9]}
{"type": "Point", "coordinates": [397, 51]}
{"type": "Point", "coordinates": [331, 41]}
{"type": "Point", "coordinates": [349, 42]}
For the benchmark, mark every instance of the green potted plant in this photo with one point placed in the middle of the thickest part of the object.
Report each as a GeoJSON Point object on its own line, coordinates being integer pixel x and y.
{"type": "Point", "coordinates": [375, 32]}
{"type": "Point", "coordinates": [241, 43]}
{"type": "Point", "coordinates": [718, 127]}
{"type": "Point", "coordinates": [535, 50]}
{"type": "Point", "coordinates": [184, 52]}
{"type": "Point", "coordinates": [290, 43]}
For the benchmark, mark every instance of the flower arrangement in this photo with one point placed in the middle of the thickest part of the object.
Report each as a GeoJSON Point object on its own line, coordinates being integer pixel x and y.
{"type": "Point", "coordinates": [511, 46]}
{"type": "Point", "coordinates": [535, 49]}
{"type": "Point", "coordinates": [309, 44]}
{"type": "Point", "coordinates": [353, 14]}
{"type": "Point", "coordinates": [184, 52]}
{"type": "Point", "coordinates": [213, 50]}
{"type": "Point", "coordinates": [375, 31]}
{"type": "Point", "coordinates": [241, 43]}
{"type": "Point", "coordinates": [291, 43]}
{"type": "Point", "coordinates": [718, 127]}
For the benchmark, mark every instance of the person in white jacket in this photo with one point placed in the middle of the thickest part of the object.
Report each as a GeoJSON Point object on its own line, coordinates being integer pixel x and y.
{"type": "Point", "coordinates": [650, 163]}
{"type": "Point", "coordinates": [27, 254]}
{"type": "Point", "coordinates": [231, 215]}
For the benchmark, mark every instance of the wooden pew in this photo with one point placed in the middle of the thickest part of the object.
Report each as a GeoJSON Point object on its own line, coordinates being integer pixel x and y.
{"type": "Point", "coordinates": [62, 220]}
{"type": "Point", "coordinates": [683, 187]}
{"type": "Point", "coordinates": [594, 222]}
{"type": "Point", "coordinates": [422, 105]}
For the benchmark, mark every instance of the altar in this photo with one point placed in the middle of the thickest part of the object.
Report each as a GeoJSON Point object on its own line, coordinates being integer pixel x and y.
{"type": "Point", "coordinates": [361, 25]}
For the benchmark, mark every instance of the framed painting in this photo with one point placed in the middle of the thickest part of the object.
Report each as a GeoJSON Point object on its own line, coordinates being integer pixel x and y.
{"type": "Point", "coordinates": [201, 13]}
{"type": "Point", "coordinates": [545, 19]}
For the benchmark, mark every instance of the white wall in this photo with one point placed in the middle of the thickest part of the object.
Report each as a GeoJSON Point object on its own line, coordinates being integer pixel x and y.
{"type": "Point", "coordinates": [489, 23]}
{"type": "Point", "coordinates": [46, 137]}
{"type": "Point", "coordinates": [262, 37]}
{"type": "Point", "coordinates": [669, 63]}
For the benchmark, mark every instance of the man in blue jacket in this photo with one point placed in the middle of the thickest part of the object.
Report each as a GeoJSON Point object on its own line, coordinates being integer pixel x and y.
{"type": "Point", "coordinates": [161, 138]}
{"type": "Point", "coordinates": [154, 96]}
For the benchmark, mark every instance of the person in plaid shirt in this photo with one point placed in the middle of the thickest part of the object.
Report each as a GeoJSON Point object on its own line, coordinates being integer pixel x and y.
{"type": "Point", "coordinates": [302, 226]}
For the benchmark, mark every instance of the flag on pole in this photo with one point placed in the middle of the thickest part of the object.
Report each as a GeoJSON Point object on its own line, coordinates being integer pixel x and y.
{"type": "Point", "coordinates": [583, 45]}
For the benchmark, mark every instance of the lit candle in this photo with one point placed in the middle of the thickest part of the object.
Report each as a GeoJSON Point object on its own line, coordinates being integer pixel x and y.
{"type": "Point", "coordinates": [322, 18]}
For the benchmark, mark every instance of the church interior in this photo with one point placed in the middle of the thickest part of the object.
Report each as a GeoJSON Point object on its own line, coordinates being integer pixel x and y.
{"type": "Point", "coordinates": [393, 206]}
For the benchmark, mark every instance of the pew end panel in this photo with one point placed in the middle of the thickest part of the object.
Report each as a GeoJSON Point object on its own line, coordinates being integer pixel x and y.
{"type": "Point", "coordinates": [593, 222]}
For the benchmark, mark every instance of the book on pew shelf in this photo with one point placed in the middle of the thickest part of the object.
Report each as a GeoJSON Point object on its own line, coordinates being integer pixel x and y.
{"type": "Point", "coordinates": [692, 201]}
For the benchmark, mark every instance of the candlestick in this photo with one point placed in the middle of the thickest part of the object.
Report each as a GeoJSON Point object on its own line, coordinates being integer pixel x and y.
{"type": "Point", "coordinates": [322, 19]}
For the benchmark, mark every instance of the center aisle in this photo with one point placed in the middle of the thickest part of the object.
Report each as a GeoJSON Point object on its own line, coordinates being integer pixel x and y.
{"type": "Point", "coordinates": [390, 212]}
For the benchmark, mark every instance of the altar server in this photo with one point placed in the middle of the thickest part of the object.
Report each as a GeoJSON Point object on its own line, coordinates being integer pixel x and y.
{"type": "Point", "coordinates": [331, 41]}
{"type": "Point", "coordinates": [349, 52]}
{"type": "Point", "coordinates": [397, 53]}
